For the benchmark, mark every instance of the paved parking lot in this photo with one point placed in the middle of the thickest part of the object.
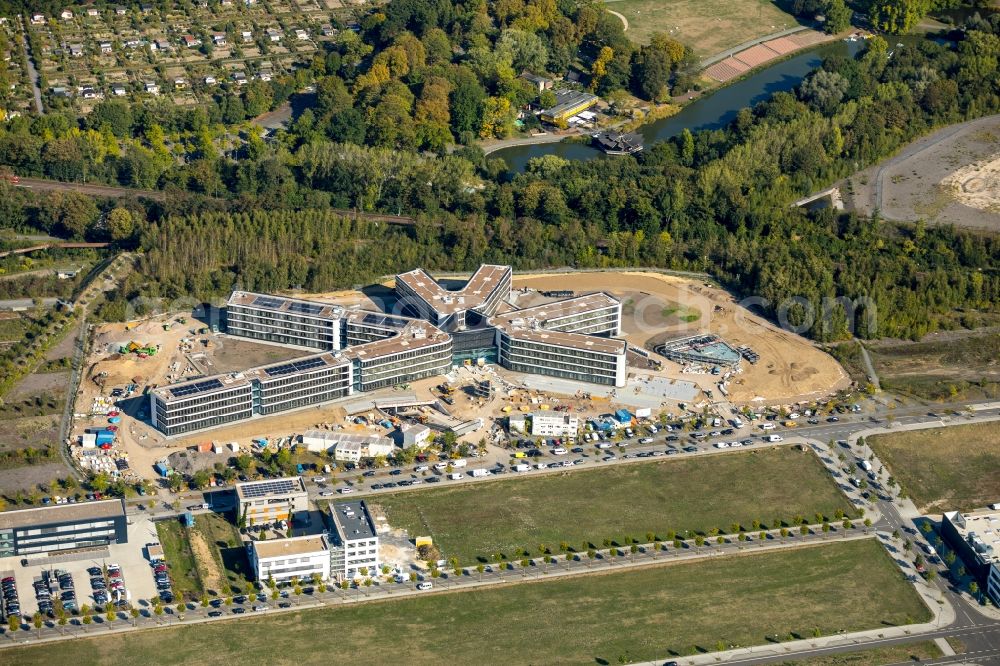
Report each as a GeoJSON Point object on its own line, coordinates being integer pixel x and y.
{"type": "Point", "coordinates": [130, 556]}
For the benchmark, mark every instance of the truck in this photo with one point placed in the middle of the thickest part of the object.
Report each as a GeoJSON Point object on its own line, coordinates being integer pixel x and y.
{"type": "Point", "coordinates": [479, 473]}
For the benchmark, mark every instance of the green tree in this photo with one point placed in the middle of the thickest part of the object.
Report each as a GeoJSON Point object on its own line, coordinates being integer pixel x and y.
{"type": "Point", "coordinates": [838, 17]}
{"type": "Point", "coordinates": [898, 16]}
{"type": "Point", "coordinates": [120, 224]}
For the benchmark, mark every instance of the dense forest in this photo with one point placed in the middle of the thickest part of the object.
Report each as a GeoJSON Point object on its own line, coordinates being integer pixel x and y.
{"type": "Point", "coordinates": [715, 201]}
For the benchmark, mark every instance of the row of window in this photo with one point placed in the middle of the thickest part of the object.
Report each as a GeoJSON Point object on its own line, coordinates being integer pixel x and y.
{"type": "Point", "coordinates": [574, 358]}
{"type": "Point", "coordinates": [264, 316]}
{"type": "Point", "coordinates": [203, 423]}
{"type": "Point", "coordinates": [208, 403]}
{"type": "Point", "coordinates": [74, 527]}
{"type": "Point", "coordinates": [276, 387]}
{"type": "Point", "coordinates": [565, 374]}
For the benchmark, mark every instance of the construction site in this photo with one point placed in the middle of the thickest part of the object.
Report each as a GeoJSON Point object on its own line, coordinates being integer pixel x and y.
{"type": "Point", "coordinates": [731, 358]}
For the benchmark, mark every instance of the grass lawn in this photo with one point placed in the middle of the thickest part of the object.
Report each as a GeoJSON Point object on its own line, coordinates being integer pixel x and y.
{"type": "Point", "coordinates": [470, 522]}
{"type": "Point", "coordinates": [12, 329]}
{"type": "Point", "coordinates": [227, 551]}
{"type": "Point", "coordinates": [707, 26]}
{"type": "Point", "coordinates": [944, 469]}
{"type": "Point", "coordinates": [184, 576]}
{"type": "Point", "coordinates": [640, 615]}
{"type": "Point", "coordinates": [894, 654]}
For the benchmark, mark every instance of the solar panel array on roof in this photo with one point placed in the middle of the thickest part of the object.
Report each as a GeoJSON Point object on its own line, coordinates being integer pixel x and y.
{"type": "Point", "coordinates": [200, 387]}
{"type": "Point", "coordinates": [383, 320]}
{"type": "Point", "coordinates": [305, 308]}
{"type": "Point", "coordinates": [265, 488]}
{"type": "Point", "coordinates": [295, 366]}
{"type": "Point", "coordinates": [268, 302]}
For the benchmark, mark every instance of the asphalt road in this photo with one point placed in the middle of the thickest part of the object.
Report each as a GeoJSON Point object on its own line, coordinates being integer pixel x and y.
{"type": "Point", "coordinates": [980, 634]}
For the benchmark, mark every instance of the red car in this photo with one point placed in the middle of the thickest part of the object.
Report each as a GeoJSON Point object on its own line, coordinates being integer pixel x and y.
{"type": "Point", "coordinates": [112, 413]}
{"type": "Point", "coordinates": [112, 428]}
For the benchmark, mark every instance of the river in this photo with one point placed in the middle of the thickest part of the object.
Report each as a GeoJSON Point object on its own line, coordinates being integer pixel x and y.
{"type": "Point", "coordinates": [710, 112]}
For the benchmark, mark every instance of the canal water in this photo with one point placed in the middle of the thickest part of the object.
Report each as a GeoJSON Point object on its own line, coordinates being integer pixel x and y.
{"type": "Point", "coordinates": [710, 112]}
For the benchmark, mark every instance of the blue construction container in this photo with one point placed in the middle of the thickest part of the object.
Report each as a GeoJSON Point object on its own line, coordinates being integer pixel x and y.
{"type": "Point", "coordinates": [623, 416]}
{"type": "Point", "coordinates": [162, 469]}
{"type": "Point", "coordinates": [104, 437]}
{"type": "Point", "coordinates": [188, 519]}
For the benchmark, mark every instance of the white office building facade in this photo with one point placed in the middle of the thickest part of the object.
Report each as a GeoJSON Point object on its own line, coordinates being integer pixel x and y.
{"type": "Point", "coordinates": [287, 560]}
{"type": "Point", "coordinates": [354, 549]}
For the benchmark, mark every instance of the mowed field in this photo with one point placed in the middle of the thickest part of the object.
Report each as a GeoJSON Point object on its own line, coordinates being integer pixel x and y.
{"type": "Point", "coordinates": [473, 523]}
{"type": "Point", "coordinates": [945, 469]}
{"type": "Point", "coordinates": [707, 26]}
{"type": "Point", "coordinates": [638, 615]}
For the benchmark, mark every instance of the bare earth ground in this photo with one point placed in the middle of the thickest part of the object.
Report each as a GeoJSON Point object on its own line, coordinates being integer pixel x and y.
{"type": "Point", "coordinates": [948, 177]}
{"type": "Point", "coordinates": [790, 369]}
{"type": "Point", "coordinates": [36, 431]}
{"type": "Point", "coordinates": [44, 382]}
{"type": "Point", "coordinates": [28, 477]}
{"type": "Point", "coordinates": [708, 26]}
{"type": "Point", "coordinates": [208, 568]}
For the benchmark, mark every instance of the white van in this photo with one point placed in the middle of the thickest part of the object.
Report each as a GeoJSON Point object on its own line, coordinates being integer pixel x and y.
{"type": "Point", "coordinates": [521, 467]}
{"type": "Point", "coordinates": [773, 438]}
{"type": "Point", "coordinates": [767, 426]}
{"type": "Point", "coordinates": [479, 472]}
{"type": "Point", "coordinates": [455, 476]}
{"type": "Point", "coordinates": [426, 585]}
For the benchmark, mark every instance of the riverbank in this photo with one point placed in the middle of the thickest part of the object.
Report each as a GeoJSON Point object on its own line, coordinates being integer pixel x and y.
{"type": "Point", "coordinates": [803, 39]}
{"type": "Point", "coordinates": [713, 108]}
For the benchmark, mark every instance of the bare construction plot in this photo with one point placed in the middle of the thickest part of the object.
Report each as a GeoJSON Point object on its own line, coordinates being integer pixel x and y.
{"type": "Point", "coordinates": [949, 177]}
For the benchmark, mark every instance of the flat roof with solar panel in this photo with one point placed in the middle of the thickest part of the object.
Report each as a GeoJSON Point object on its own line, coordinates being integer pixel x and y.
{"type": "Point", "coordinates": [379, 319]}
{"type": "Point", "coordinates": [249, 299]}
{"type": "Point", "coordinates": [251, 490]}
{"type": "Point", "coordinates": [195, 387]}
{"type": "Point", "coordinates": [199, 387]}
{"type": "Point", "coordinates": [295, 366]}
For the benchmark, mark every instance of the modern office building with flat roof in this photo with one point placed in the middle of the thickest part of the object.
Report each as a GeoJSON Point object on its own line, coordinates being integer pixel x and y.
{"type": "Point", "coordinates": [364, 351]}
{"type": "Point", "coordinates": [975, 535]}
{"type": "Point", "coordinates": [563, 339]}
{"type": "Point", "coordinates": [285, 321]}
{"type": "Point", "coordinates": [284, 560]}
{"type": "Point", "coordinates": [447, 309]}
{"type": "Point", "coordinates": [65, 527]}
{"type": "Point", "coordinates": [213, 401]}
{"type": "Point", "coordinates": [271, 500]}
{"type": "Point", "coordinates": [354, 541]}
